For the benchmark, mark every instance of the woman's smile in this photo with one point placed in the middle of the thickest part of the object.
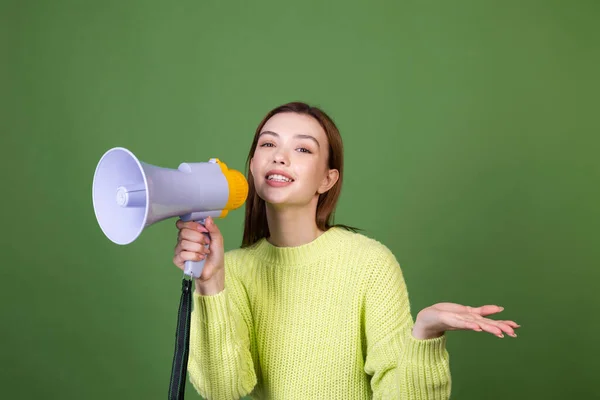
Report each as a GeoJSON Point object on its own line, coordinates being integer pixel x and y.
{"type": "Point", "coordinates": [278, 178]}
{"type": "Point", "coordinates": [278, 183]}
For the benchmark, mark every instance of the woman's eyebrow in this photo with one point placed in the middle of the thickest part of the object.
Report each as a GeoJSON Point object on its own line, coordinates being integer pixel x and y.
{"type": "Point", "coordinates": [300, 136]}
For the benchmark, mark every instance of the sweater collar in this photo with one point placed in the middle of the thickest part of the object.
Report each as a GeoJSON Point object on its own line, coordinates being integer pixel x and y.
{"type": "Point", "coordinates": [303, 254]}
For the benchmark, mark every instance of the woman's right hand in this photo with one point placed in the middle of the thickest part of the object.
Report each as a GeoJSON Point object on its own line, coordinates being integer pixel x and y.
{"type": "Point", "coordinates": [191, 247]}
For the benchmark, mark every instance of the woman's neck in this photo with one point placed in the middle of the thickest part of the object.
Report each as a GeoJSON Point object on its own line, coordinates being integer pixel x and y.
{"type": "Point", "coordinates": [292, 226]}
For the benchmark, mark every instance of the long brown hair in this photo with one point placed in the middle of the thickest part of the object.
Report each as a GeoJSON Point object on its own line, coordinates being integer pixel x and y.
{"type": "Point", "coordinates": [256, 226]}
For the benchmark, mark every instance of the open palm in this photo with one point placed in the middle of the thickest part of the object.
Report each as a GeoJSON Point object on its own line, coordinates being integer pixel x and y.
{"type": "Point", "coordinates": [441, 317]}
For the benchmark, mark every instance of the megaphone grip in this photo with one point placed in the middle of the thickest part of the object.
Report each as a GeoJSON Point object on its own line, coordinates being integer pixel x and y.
{"type": "Point", "coordinates": [195, 268]}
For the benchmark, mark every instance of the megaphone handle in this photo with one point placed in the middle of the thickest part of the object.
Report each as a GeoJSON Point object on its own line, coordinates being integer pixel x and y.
{"type": "Point", "coordinates": [195, 268]}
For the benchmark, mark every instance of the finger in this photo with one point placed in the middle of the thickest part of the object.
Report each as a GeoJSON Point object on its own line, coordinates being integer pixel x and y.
{"type": "Point", "coordinates": [486, 310]}
{"type": "Point", "coordinates": [179, 247]}
{"type": "Point", "coordinates": [490, 328]}
{"type": "Point", "coordinates": [193, 225]}
{"type": "Point", "coordinates": [194, 236]}
{"type": "Point", "coordinates": [505, 328]}
{"type": "Point", "coordinates": [200, 228]}
{"type": "Point", "coordinates": [456, 321]}
{"type": "Point", "coordinates": [191, 256]}
{"type": "Point", "coordinates": [497, 327]}
{"type": "Point", "coordinates": [180, 224]}
{"type": "Point", "coordinates": [180, 258]}
{"type": "Point", "coordinates": [466, 325]}
{"type": "Point", "coordinates": [212, 226]}
{"type": "Point", "coordinates": [512, 324]}
{"type": "Point", "coordinates": [482, 323]}
{"type": "Point", "coordinates": [215, 233]}
{"type": "Point", "coordinates": [194, 247]}
{"type": "Point", "coordinates": [178, 261]}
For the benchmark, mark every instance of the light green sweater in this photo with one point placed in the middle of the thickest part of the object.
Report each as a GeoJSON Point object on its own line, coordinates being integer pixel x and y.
{"type": "Point", "coordinates": [326, 320]}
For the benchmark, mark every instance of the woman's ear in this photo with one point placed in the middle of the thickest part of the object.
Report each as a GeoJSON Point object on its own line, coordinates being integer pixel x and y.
{"type": "Point", "coordinates": [330, 179]}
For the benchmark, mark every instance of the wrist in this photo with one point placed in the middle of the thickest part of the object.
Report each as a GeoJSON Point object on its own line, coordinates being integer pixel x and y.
{"type": "Point", "coordinates": [423, 332]}
{"type": "Point", "coordinates": [210, 287]}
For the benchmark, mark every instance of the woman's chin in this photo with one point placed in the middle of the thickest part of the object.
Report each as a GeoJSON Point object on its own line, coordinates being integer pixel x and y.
{"type": "Point", "coordinates": [275, 202]}
{"type": "Point", "coordinates": [280, 200]}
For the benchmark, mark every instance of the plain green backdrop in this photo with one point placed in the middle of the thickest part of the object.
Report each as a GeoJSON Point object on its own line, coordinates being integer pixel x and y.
{"type": "Point", "coordinates": [471, 134]}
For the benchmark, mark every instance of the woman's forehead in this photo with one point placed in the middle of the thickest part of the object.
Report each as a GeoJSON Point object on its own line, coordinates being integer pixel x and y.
{"type": "Point", "coordinates": [290, 123]}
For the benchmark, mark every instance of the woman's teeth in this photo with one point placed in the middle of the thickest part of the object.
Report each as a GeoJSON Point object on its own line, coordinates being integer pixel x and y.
{"type": "Point", "coordinates": [279, 178]}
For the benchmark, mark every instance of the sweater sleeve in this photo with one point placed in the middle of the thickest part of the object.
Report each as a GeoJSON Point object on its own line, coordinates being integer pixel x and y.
{"type": "Point", "coordinates": [400, 365]}
{"type": "Point", "coordinates": [220, 364]}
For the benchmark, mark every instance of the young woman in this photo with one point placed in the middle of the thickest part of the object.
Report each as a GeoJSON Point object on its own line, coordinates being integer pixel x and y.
{"type": "Point", "coordinates": [306, 309]}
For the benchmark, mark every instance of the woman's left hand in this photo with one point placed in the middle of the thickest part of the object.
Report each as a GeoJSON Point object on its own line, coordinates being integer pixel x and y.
{"type": "Point", "coordinates": [433, 321]}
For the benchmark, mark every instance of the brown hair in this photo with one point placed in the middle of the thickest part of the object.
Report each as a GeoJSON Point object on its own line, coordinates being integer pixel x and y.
{"type": "Point", "coordinates": [256, 226]}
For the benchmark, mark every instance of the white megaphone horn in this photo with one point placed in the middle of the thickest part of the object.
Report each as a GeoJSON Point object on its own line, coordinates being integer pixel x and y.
{"type": "Point", "coordinates": [130, 195]}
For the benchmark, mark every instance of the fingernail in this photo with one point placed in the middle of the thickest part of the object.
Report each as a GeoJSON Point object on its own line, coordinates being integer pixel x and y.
{"type": "Point", "coordinates": [500, 335]}
{"type": "Point", "coordinates": [501, 308]}
{"type": "Point", "coordinates": [514, 335]}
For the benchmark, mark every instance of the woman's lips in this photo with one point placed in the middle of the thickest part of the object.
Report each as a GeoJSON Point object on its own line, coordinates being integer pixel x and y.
{"type": "Point", "coordinates": [278, 183]}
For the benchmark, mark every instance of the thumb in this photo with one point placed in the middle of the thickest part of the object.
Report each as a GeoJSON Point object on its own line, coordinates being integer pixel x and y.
{"type": "Point", "coordinates": [212, 228]}
{"type": "Point", "coordinates": [487, 310]}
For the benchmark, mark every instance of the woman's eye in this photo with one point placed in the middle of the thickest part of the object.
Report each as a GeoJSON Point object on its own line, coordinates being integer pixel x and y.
{"type": "Point", "coordinates": [301, 149]}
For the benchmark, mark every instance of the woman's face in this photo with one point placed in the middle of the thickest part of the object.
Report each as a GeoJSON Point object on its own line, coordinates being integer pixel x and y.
{"type": "Point", "coordinates": [290, 163]}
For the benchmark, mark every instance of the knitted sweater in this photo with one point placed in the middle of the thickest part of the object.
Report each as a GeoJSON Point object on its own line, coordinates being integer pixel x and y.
{"type": "Point", "coordinates": [326, 320]}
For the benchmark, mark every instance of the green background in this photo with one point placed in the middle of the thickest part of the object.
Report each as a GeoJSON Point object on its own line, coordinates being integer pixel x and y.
{"type": "Point", "coordinates": [471, 134]}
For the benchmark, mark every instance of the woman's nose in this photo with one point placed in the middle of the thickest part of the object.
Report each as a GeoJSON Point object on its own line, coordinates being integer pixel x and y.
{"type": "Point", "coordinates": [280, 158]}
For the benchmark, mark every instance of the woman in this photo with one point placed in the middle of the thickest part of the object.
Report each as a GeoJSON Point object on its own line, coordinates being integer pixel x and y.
{"type": "Point", "coordinates": [306, 309]}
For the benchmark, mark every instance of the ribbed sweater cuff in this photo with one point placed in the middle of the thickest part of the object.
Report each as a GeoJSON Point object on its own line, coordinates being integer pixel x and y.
{"type": "Point", "coordinates": [212, 309]}
{"type": "Point", "coordinates": [426, 351]}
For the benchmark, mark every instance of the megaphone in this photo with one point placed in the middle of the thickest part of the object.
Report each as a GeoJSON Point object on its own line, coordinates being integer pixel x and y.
{"type": "Point", "coordinates": [130, 195]}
